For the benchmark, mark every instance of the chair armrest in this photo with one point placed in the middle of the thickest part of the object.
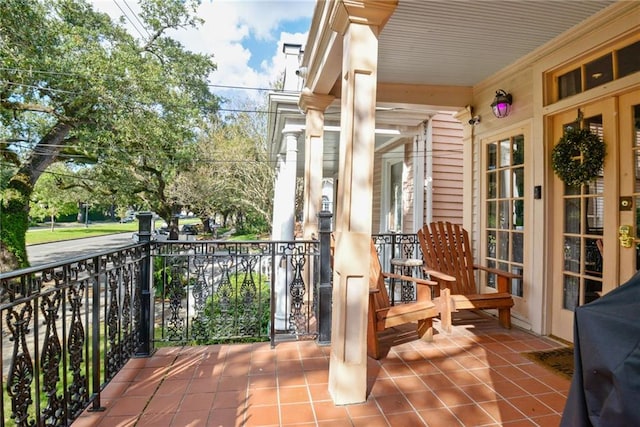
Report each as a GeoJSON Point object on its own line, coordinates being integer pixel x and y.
{"type": "Point", "coordinates": [504, 277]}
{"type": "Point", "coordinates": [415, 280]}
{"type": "Point", "coordinates": [439, 276]}
{"type": "Point", "coordinates": [499, 272]}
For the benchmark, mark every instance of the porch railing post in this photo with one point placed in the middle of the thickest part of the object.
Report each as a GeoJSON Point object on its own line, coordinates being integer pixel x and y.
{"type": "Point", "coordinates": [144, 348]}
{"type": "Point", "coordinates": [325, 289]}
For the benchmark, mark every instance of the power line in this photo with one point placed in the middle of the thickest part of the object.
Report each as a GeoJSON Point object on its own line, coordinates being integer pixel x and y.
{"type": "Point", "coordinates": [104, 75]}
{"type": "Point", "coordinates": [129, 19]}
{"type": "Point", "coordinates": [443, 154]}
{"type": "Point", "coordinates": [37, 87]}
{"type": "Point", "coordinates": [229, 110]}
{"type": "Point", "coordinates": [135, 15]}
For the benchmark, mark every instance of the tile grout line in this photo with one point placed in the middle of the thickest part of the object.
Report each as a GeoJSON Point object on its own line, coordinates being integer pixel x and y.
{"type": "Point", "coordinates": [164, 377]}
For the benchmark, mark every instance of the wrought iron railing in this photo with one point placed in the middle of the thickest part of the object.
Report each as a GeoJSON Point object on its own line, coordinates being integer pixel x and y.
{"type": "Point", "coordinates": [397, 246]}
{"type": "Point", "coordinates": [67, 328]}
{"type": "Point", "coordinates": [220, 291]}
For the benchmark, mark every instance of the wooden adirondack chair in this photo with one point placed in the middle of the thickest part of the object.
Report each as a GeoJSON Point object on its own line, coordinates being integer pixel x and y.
{"type": "Point", "coordinates": [383, 316]}
{"type": "Point", "coordinates": [445, 249]}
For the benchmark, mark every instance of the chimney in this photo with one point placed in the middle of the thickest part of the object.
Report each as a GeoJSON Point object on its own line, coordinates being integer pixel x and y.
{"type": "Point", "coordinates": [293, 75]}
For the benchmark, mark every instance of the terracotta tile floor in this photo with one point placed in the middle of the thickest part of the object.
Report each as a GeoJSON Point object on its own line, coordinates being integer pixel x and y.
{"type": "Point", "coordinates": [475, 376]}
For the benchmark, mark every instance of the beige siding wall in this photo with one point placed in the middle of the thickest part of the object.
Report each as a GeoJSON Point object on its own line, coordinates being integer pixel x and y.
{"type": "Point", "coordinates": [447, 169]}
{"type": "Point", "coordinates": [519, 83]}
{"type": "Point", "coordinates": [442, 162]}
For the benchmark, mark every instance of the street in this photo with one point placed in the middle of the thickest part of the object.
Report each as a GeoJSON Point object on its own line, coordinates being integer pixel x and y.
{"type": "Point", "coordinates": [59, 251]}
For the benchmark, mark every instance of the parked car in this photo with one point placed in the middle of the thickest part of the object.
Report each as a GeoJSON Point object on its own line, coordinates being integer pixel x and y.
{"type": "Point", "coordinates": [164, 228]}
{"type": "Point", "coordinates": [127, 218]}
{"type": "Point", "coordinates": [191, 229]}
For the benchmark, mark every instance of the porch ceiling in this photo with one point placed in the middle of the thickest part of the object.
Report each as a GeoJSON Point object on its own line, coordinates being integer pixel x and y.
{"type": "Point", "coordinates": [461, 43]}
{"type": "Point", "coordinates": [444, 48]}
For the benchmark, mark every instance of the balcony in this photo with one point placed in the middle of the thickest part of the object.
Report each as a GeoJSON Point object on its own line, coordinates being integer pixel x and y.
{"type": "Point", "coordinates": [143, 336]}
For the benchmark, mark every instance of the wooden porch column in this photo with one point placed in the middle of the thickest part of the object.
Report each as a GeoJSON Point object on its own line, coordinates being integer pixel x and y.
{"type": "Point", "coordinates": [313, 105]}
{"type": "Point", "coordinates": [360, 23]}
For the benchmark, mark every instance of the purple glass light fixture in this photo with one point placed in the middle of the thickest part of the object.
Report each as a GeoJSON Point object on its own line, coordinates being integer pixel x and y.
{"type": "Point", "coordinates": [501, 104]}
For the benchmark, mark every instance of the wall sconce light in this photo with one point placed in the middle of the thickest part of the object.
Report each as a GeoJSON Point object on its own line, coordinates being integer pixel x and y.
{"type": "Point", "coordinates": [501, 104]}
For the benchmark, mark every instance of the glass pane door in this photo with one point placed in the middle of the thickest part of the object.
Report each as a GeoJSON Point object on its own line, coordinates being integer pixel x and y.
{"type": "Point", "coordinates": [584, 222]}
{"type": "Point", "coordinates": [582, 234]}
{"type": "Point", "coordinates": [629, 188]}
{"type": "Point", "coordinates": [504, 201]}
{"type": "Point", "coordinates": [635, 155]}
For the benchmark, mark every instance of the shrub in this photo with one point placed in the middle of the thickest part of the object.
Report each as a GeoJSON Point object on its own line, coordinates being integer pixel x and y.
{"type": "Point", "coordinates": [239, 310]}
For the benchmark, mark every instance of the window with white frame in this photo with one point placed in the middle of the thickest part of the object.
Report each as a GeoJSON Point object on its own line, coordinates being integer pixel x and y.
{"type": "Point", "coordinates": [392, 185]}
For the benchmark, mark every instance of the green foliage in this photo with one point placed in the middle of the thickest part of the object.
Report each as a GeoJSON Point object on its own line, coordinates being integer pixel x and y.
{"type": "Point", "coordinates": [14, 222]}
{"type": "Point", "coordinates": [48, 200]}
{"type": "Point", "coordinates": [240, 307]}
{"type": "Point", "coordinates": [253, 223]}
{"type": "Point", "coordinates": [78, 88]}
{"type": "Point", "coordinates": [161, 272]}
{"type": "Point", "coordinates": [229, 172]}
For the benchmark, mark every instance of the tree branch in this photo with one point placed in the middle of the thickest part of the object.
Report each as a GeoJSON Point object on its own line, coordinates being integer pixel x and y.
{"type": "Point", "coordinates": [9, 155]}
{"type": "Point", "coordinates": [154, 37]}
{"type": "Point", "coordinates": [27, 106]}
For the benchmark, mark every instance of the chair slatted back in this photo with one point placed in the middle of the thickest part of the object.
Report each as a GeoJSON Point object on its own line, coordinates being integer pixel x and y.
{"type": "Point", "coordinates": [376, 280]}
{"type": "Point", "coordinates": [445, 248]}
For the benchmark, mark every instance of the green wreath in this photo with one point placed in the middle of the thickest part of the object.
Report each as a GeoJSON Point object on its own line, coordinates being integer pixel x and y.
{"type": "Point", "coordinates": [573, 143]}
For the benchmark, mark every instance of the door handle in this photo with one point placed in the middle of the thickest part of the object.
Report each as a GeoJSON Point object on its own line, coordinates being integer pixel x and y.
{"type": "Point", "coordinates": [625, 237]}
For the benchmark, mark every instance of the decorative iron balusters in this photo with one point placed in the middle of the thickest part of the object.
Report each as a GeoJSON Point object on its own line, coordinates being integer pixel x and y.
{"type": "Point", "coordinates": [113, 313]}
{"type": "Point", "coordinates": [221, 291]}
{"type": "Point", "coordinates": [175, 293]}
{"type": "Point", "coordinates": [297, 290]}
{"type": "Point", "coordinates": [201, 290]}
{"type": "Point", "coordinates": [394, 246]}
{"type": "Point", "coordinates": [223, 304]}
{"type": "Point", "coordinates": [46, 375]}
{"type": "Point", "coordinates": [248, 319]}
{"type": "Point", "coordinates": [128, 343]}
{"type": "Point", "coordinates": [78, 389]}
{"type": "Point", "coordinates": [201, 293]}
{"type": "Point", "coordinates": [21, 373]}
{"type": "Point", "coordinates": [50, 358]}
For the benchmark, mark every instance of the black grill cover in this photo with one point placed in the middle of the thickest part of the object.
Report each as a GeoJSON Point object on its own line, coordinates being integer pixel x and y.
{"type": "Point", "coordinates": [605, 390]}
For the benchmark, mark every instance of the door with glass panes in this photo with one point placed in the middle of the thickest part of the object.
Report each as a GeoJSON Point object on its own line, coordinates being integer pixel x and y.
{"type": "Point", "coordinates": [629, 201]}
{"type": "Point", "coordinates": [504, 212]}
{"type": "Point", "coordinates": [588, 259]}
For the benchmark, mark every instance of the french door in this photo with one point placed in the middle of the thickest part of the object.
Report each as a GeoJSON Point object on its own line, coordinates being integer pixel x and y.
{"type": "Point", "coordinates": [629, 203]}
{"type": "Point", "coordinates": [589, 258]}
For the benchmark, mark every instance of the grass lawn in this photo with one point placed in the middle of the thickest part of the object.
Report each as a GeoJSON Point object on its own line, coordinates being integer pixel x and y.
{"type": "Point", "coordinates": [76, 231]}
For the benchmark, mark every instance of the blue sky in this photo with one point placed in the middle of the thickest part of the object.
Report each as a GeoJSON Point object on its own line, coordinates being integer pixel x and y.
{"type": "Point", "coordinates": [245, 37]}
{"type": "Point", "coordinates": [262, 49]}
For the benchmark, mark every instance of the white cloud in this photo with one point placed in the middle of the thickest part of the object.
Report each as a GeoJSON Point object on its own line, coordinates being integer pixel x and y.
{"type": "Point", "coordinates": [229, 24]}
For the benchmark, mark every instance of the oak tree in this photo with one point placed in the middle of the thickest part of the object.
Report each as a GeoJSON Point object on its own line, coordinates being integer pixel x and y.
{"type": "Point", "coordinates": [77, 87]}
